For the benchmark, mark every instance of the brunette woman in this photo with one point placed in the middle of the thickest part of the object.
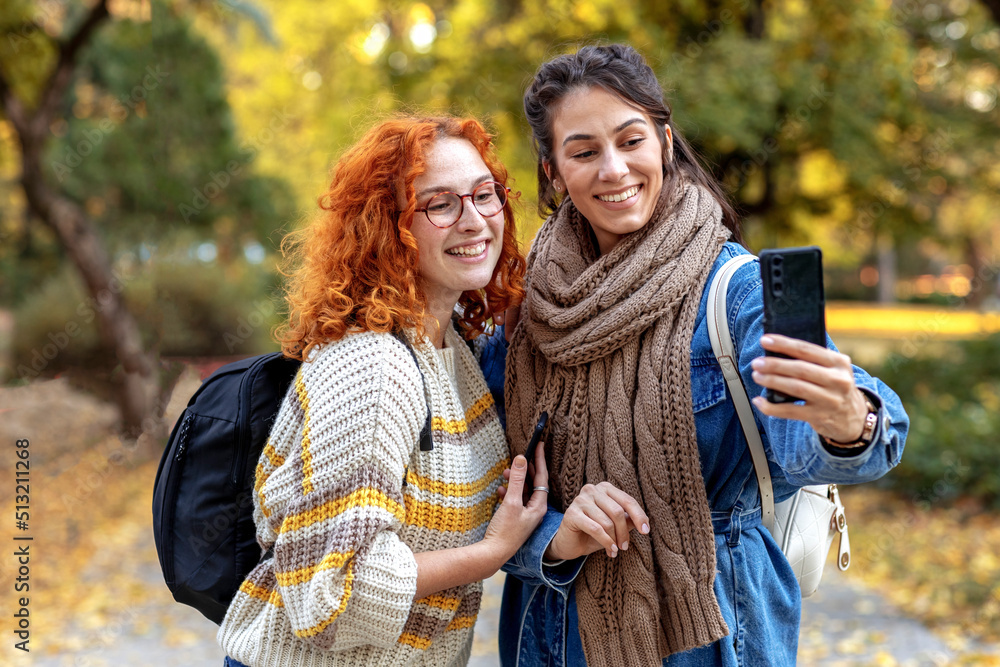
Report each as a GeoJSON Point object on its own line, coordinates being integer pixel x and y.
{"type": "Point", "coordinates": [653, 546]}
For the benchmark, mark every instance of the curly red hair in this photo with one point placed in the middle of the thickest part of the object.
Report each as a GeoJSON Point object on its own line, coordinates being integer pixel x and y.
{"type": "Point", "coordinates": [355, 263]}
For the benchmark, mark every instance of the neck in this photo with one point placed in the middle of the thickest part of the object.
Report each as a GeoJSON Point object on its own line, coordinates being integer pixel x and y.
{"type": "Point", "coordinates": [438, 317]}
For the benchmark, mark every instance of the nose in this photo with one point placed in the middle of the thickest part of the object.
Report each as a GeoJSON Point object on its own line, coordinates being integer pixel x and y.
{"type": "Point", "coordinates": [613, 167]}
{"type": "Point", "coordinates": [471, 219]}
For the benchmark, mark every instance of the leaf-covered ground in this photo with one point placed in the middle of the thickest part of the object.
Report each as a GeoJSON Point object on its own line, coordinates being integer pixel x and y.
{"type": "Point", "coordinates": [938, 564]}
{"type": "Point", "coordinates": [94, 576]}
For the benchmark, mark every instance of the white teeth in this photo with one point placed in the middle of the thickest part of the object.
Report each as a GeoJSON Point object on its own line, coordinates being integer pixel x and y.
{"type": "Point", "coordinates": [469, 251]}
{"type": "Point", "coordinates": [621, 196]}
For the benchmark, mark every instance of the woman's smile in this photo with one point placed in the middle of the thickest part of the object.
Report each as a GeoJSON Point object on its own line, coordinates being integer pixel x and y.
{"type": "Point", "coordinates": [610, 157]}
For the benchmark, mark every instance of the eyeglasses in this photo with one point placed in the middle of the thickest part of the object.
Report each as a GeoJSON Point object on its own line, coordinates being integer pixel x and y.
{"type": "Point", "coordinates": [445, 208]}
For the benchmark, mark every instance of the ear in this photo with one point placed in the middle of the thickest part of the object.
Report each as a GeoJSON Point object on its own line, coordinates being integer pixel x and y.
{"type": "Point", "coordinates": [547, 166]}
{"type": "Point", "coordinates": [670, 142]}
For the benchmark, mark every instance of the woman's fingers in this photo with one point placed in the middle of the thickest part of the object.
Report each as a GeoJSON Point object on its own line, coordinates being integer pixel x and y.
{"type": "Point", "coordinates": [615, 511]}
{"type": "Point", "coordinates": [823, 378]}
{"type": "Point", "coordinates": [539, 478]}
{"type": "Point", "coordinates": [541, 469]}
{"type": "Point", "coordinates": [598, 530]}
{"type": "Point", "coordinates": [518, 473]}
{"type": "Point", "coordinates": [616, 522]}
{"type": "Point", "coordinates": [800, 349]}
{"type": "Point", "coordinates": [633, 510]}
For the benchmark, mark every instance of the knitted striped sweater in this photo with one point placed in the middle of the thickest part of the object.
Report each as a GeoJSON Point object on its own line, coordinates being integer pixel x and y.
{"type": "Point", "coordinates": [331, 497]}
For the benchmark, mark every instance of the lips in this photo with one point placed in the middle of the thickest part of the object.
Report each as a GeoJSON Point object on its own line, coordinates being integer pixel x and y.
{"type": "Point", "coordinates": [473, 250]}
{"type": "Point", "coordinates": [621, 196]}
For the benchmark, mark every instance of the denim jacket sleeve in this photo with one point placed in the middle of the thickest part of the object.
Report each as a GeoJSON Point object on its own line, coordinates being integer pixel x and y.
{"type": "Point", "coordinates": [528, 564]}
{"type": "Point", "coordinates": [794, 450]}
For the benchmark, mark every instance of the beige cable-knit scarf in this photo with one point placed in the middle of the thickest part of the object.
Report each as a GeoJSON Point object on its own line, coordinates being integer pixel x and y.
{"type": "Point", "coordinates": [604, 346]}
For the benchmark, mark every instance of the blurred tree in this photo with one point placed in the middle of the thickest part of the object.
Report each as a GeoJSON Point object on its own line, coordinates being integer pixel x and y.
{"type": "Point", "coordinates": [130, 146]}
{"type": "Point", "coordinates": [32, 121]}
{"type": "Point", "coordinates": [855, 124]}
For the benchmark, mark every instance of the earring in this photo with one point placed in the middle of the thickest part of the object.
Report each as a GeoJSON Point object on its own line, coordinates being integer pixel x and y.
{"type": "Point", "coordinates": [557, 185]}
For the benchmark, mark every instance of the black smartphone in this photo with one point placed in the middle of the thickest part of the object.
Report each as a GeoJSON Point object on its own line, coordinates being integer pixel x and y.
{"type": "Point", "coordinates": [536, 436]}
{"type": "Point", "coordinates": [794, 304]}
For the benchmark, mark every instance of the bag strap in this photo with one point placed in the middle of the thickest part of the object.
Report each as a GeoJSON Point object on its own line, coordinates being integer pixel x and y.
{"type": "Point", "coordinates": [725, 353]}
{"type": "Point", "coordinates": [426, 444]}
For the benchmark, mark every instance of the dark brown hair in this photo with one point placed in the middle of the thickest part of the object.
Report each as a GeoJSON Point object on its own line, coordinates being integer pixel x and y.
{"type": "Point", "coordinates": [622, 71]}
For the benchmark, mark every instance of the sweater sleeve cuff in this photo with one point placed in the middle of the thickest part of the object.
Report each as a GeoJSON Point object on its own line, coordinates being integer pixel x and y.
{"type": "Point", "coordinates": [385, 585]}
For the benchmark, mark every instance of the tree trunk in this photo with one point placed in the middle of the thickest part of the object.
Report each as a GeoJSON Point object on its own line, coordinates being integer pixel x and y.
{"type": "Point", "coordinates": [137, 384]}
{"type": "Point", "coordinates": [886, 269]}
{"type": "Point", "coordinates": [994, 7]}
{"type": "Point", "coordinates": [982, 284]}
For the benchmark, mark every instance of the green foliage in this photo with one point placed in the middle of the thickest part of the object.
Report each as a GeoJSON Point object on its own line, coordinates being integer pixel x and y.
{"type": "Point", "coordinates": [185, 309]}
{"type": "Point", "coordinates": [953, 400]}
{"type": "Point", "coordinates": [145, 143]}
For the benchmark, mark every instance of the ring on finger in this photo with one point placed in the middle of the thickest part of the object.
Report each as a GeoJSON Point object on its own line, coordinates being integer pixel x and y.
{"type": "Point", "coordinates": [541, 488]}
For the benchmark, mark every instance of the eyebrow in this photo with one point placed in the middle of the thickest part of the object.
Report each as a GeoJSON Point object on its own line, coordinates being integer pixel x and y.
{"type": "Point", "coordinates": [437, 189]}
{"type": "Point", "coordinates": [579, 137]}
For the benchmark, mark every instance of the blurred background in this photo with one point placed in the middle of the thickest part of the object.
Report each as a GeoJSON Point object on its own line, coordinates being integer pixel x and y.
{"type": "Point", "coordinates": [154, 153]}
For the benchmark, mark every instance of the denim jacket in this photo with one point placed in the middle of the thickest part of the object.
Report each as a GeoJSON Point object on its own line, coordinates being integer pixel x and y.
{"type": "Point", "coordinates": [756, 589]}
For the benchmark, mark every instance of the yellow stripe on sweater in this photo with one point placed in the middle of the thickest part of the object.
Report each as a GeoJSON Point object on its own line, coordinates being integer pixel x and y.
{"type": "Point", "coordinates": [450, 519]}
{"type": "Point", "coordinates": [479, 407]}
{"type": "Point", "coordinates": [272, 455]}
{"type": "Point", "coordinates": [363, 497]}
{"type": "Point", "coordinates": [455, 426]}
{"type": "Point", "coordinates": [307, 470]}
{"type": "Point", "coordinates": [323, 625]}
{"type": "Point", "coordinates": [413, 640]}
{"type": "Point", "coordinates": [330, 561]}
{"type": "Point", "coordinates": [460, 622]}
{"type": "Point", "coordinates": [441, 602]}
{"type": "Point", "coordinates": [454, 489]}
{"type": "Point", "coordinates": [261, 476]}
{"type": "Point", "coordinates": [255, 591]}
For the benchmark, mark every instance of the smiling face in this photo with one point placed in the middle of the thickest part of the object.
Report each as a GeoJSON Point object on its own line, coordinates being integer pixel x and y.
{"type": "Point", "coordinates": [608, 158]}
{"type": "Point", "coordinates": [463, 256]}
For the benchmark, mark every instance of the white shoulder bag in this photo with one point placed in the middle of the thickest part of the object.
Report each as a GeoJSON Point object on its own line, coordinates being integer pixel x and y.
{"type": "Point", "coordinates": [804, 525]}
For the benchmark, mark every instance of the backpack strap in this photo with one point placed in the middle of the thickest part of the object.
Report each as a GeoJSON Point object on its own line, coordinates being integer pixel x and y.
{"type": "Point", "coordinates": [426, 444]}
{"type": "Point", "coordinates": [725, 353]}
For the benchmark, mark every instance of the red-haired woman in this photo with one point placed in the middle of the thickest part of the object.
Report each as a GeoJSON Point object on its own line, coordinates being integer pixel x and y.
{"type": "Point", "coordinates": [380, 544]}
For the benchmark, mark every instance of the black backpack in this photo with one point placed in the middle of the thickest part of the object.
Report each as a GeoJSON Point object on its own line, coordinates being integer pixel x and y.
{"type": "Point", "coordinates": [203, 496]}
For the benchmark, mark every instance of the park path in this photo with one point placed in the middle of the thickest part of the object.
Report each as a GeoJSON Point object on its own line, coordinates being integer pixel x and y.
{"type": "Point", "coordinates": [843, 625]}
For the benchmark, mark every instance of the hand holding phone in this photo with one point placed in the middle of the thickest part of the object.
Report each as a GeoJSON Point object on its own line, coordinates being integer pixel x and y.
{"type": "Point", "coordinates": [794, 302]}
{"type": "Point", "coordinates": [536, 436]}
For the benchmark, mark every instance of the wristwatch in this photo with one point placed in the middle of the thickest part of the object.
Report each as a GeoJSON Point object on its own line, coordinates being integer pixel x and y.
{"type": "Point", "coordinates": [867, 433]}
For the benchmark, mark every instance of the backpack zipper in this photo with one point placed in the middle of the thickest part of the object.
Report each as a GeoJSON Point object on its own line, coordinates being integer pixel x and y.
{"type": "Point", "coordinates": [182, 447]}
{"type": "Point", "coordinates": [166, 526]}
